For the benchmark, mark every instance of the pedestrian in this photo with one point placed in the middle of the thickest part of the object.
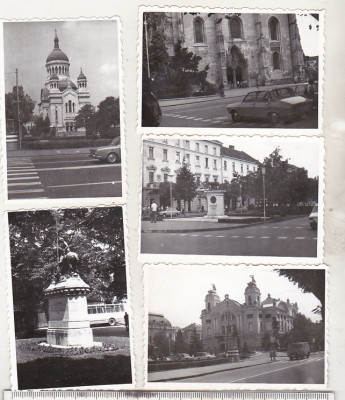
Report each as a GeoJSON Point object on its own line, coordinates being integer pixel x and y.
{"type": "Point", "coordinates": [273, 354]}
{"type": "Point", "coordinates": [257, 84]}
{"type": "Point", "coordinates": [153, 212]}
{"type": "Point", "coordinates": [151, 114]}
{"type": "Point", "coordinates": [221, 89]}
{"type": "Point", "coordinates": [126, 321]}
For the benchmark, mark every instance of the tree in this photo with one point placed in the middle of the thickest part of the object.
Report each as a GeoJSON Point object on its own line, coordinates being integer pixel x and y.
{"type": "Point", "coordinates": [96, 235]}
{"type": "Point", "coordinates": [108, 114]}
{"type": "Point", "coordinates": [195, 345]}
{"type": "Point", "coordinates": [180, 345]}
{"type": "Point", "coordinates": [86, 118]}
{"type": "Point", "coordinates": [26, 105]}
{"type": "Point", "coordinates": [186, 185]}
{"type": "Point", "coordinates": [310, 281]}
{"type": "Point", "coordinates": [165, 194]}
{"type": "Point", "coordinates": [275, 328]}
{"type": "Point", "coordinates": [162, 344]}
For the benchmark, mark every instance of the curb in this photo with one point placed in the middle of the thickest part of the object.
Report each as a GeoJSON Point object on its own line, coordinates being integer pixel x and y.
{"type": "Point", "coordinates": [200, 101]}
{"type": "Point", "coordinates": [216, 229]}
{"type": "Point", "coordinates": [210, 373]}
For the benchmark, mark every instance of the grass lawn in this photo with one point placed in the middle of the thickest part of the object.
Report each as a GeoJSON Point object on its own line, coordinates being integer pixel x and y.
{"type": "Point", "coordinates": [38, 369]}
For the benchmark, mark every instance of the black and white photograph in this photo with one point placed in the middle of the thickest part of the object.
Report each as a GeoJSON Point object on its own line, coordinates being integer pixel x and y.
{"type": "Point", "coordinates": [232, 196]}
{"type": "Point", "coordinates": [63, 109]}
{"type": "Point", "coordinates": [236, 325]}
{"type": "Point", "coordinates": [230, 69]}
{"type": "Point", "coordinates": [71, 310]}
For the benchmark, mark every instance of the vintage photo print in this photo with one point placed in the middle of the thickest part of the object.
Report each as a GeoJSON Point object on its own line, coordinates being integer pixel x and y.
{"type": "Point", "coordinates": [238, 69]}
{"type": "Point", "coordinates": [63, 106]}
{"type": "Point", "coordinates": [240, 196]}
{"type": "Point", "coordinates": [71, 309]}
{"type": "Point", "coordinates": [244, 327]}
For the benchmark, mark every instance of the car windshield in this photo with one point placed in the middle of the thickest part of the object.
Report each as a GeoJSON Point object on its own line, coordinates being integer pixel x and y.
{"type": "Point", "coordinates": [115, 141]}
{"type": "Point", "coordinates": [250, 97]}
{"type": "Point", "coordinates": [282, 93]}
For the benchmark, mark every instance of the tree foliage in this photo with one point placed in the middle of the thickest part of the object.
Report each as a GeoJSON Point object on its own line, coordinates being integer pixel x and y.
{"type": "Point", "coordinates": [186, 185]}
{"type": "Point", "coordinates": [195, 345]}
{"type": "Point", "coordinates": [26, 105]}
{"type": "Point", "coordinates": [86, 118]}
{"type": "Point", "coordinates": [180, 345]}
{"type": "Point", "coordinates": [96, 235]}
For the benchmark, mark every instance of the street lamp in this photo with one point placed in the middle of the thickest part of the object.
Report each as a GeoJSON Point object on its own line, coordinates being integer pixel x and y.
{"type": "Point", "coordinates": [241, 197]}
{"type": "Point", "coordinates": [263, 170]}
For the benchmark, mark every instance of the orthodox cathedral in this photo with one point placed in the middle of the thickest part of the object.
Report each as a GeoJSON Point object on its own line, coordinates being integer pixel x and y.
{"type": "Point", "coordinates": [61, 98]}
{"type": "Point", "coordinates": [227, 324]}
{"type": "Point", "coordinates": [244, 49]}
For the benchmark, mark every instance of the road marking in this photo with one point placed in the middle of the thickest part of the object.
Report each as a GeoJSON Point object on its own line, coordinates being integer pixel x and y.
{"type": "Point", "coordinates": [282, 237]}
{"type": "Point", "coordinates": [79, 167]}
{"type": "Point", "coordinates": [249, 237]}
{"type": "Point", "coordinates": [275, 370]}
{"type": "Point", "coordinates": [195, 235]}
{"type": "Point", "coordinates": [190, 117]}
{"type": "Point", "coordinates": [207, 235]}
{"type": "Point", "coordinates": [264, 227]}
{"type": "Point", "coordinates": [25, 184]}
{"type": "Point", "coordinates": [22, 174]}
{"type": "Point", "coordinates": [35, 177]}
{"type": "Point", "coordinates": [221, 236]}
{"type": "Point", "coordinates": [207, 120]}
{"type": "Point", "coordinates": [26, 191]}
{"type": "Point", "coordinates": [315, 238]}
{"type": "Point", "coordinates": [300, 237]}
{"type": "Point", "coordinates": [84, 184]}
{"type": "Point", "coordinates": [198, 119]}
{"type": "Point", "coordinates": [299, 227]}
{"type": "Point", "coordinates": [183, 234]}
{"type": "Point", "coordinates": [265, 237]}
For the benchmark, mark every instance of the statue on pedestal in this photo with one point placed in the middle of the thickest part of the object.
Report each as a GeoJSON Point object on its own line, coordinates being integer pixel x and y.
{"type": "Point", "coordinates": [67, 259]}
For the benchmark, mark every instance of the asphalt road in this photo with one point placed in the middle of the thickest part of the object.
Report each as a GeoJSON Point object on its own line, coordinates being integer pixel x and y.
{"type": "Point", "coordinates": [287, 238]}
{"type": "Point", "coordinates": [108, 331]}
{"type": "Point", "coordinates": [308, 371]}
{"type": "Point", "coordinates": [213, 114]}
{"type": "Point", "coordinates": [62, 176]}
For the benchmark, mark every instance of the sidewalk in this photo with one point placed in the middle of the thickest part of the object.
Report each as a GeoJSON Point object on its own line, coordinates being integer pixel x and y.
{"type": "Point", "coordinates": [229, 93]}
{"type": "Point", "coordinates": [176, 374]}
{"type": "Point", "coordinates": [46, 152]}
{"type": "Point", "coordinates": [200, 224]}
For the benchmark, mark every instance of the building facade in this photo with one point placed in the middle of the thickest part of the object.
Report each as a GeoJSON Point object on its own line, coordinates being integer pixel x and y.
{"type": "Point", "coordinates": [158, 324]}
{"type": "Point", "coordinates": [241, 49]}
{"type": "Point", "coordinates": [209, 160]}
{"type": "Point", "coordinates": [61, 98]}
{"type": "Point", "coordinates": [228, 324]}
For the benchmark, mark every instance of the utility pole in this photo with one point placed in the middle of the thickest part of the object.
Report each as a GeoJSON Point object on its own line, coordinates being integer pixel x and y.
{"type": "Point", "coordinates": [147, 48]}
{"type": "Point", "coordinates": [18, 113]}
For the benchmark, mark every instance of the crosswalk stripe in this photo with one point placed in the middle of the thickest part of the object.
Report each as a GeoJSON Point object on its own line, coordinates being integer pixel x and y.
{"type": "Point", "coordinates": [24, 178]}
{"type": "Point", "coordinates": [249, 237]}
{"type": "Point", "coordinates": [220, 236]}
{"type": "Point", "coordinates": [26, 191]}
{"type": "Point", "coordinates": [24, 184]}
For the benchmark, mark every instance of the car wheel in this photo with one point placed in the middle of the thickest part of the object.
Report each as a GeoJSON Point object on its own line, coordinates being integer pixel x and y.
{"type": "Point", "coordinates": [112, 158]}
{"type": "Point", "coordinates": [235, 116]}
{"type": "Point", "coordinates": [274, 118]}
{"type": "Point", "coordinates": [112, 321]}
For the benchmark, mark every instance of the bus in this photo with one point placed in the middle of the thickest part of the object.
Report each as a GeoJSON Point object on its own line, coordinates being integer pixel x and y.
{"type": "Point", "coordinates": [112, 314]}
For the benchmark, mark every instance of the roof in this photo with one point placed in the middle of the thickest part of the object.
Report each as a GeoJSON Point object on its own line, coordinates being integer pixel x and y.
{"type": "Point", "coordinates": [44, 94]}
{"type": "Point", "coordinates": [81, 75]}
{"type": "Point", "coordinates": [57, 54]}
{"type": "Point", "coordinates": [240, 155]}
{"type": "Point", "coordinates": [54, 77]}
{"type": "Point", "coordinates": [159, 320]}
{"type": "Point", "coordinates": [63, 84]}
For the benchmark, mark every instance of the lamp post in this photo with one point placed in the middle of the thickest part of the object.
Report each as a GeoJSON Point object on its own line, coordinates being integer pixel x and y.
{"type": "Point", "coordinates": [171, 197]}
{"type": "Point", "coordinates": [241, 197]}
{"type": "Point", "coordinates": [263, 170]}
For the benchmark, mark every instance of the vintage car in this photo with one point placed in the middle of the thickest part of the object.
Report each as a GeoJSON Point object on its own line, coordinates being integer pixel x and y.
{"type": "Point", "coordinates": [313, 217]}
{"type": "Point", "coordinates": [110, 153]}
{"type": "Point", "coordinates": [275, 105]}
{"type": "Point", "coordinates": [169, 212]}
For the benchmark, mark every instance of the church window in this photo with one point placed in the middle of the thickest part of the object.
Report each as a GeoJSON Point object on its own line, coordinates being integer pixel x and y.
{"type": "Point", "coordinates": [208, 306]}
{"type": "Point", "coordinates": [69, 106]}
{"type": "Point", "coordinates": [249, 316]}
{"type": "Point", "coordinates": [276, 60]}
{"type": "Point", "coordinates": [66, 107]}
{"type": "Point", "coordinates": [59, 70]}
{"type": "Point", "coordinates": [273, 26]}
{"type": "Point", "coordinates": [73, 107]}
{"type": "Point", "coordinates": [235, 28]}
{"type": "Point", "coordinates": [249, 297]}
{"type": "Point", "coordinates": [208, 321]}
{"type": "Point", "coordinates": [260, 315]}
{"type": "Point", "coordinates": [199, 36]}
{"type": "Point", "coordinates": [151, 177]}
{"type": "Point", "coordinates": [250, 327]}
{"type": "Point", "coordinates": [268, 316]}
{"type": "Point", "coordinates": [151, 153]}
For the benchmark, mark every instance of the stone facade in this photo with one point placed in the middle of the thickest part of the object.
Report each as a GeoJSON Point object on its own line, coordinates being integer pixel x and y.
{"type": "Point", "coordinates": [61, 98]}
{"type": "Point", "coordinates": [241, 49]}
{"type": "Point", "coordinates": [209, 160]}
{"type": "Point", "coordinates": [159, 324]}
{"type": "Point", "coordinates": [228, 324]}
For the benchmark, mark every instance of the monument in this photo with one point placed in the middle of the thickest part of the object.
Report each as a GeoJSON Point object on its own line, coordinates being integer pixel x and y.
{"type": "Point", "coordinates": [215, 203]}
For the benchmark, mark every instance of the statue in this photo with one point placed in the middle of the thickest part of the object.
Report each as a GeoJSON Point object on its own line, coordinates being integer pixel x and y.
{"type": "Point", "coordinates": [253, 280]}
{"type": "Point", "coordinates": [67, 259]}
{"type": "Point", "coordinates": [214, 287]}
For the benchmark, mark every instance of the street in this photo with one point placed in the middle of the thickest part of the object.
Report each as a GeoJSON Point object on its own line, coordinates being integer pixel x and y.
{"type": "Point", "coordinates": [213, 114]}
{"type": "Point", "coordinates": [308, 371]}
{"type": "Point", "coordinates": [286, 238]}
{"type": "Point", "coordinates": [110, 331]}
{"type": "Point", "coordinates": [71, 175]}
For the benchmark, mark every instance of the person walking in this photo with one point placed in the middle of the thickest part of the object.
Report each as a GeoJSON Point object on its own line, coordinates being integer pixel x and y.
{"type": "Point", "coordinates": [153, 212]}
{"type": "Point", "coordinates": [273, 354]}
{"type": "Point", "coordinates": [126, 321]}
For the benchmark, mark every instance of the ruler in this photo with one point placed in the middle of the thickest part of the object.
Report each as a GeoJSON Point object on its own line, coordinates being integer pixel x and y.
{"type": "Point", "coordinates": [168, 395]}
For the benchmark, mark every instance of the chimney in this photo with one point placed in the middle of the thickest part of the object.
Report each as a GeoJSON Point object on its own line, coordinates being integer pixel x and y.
{"type": "Point", "coordinates": [231, 147]}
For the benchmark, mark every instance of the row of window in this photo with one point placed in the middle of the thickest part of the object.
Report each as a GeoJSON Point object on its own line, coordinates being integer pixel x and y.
{"type": "Point", "coordinates": [235, 29]}
{"type": "Point", "coordinates": [61, 70]}
{"type": "Point", "coordinates": [187, 160]}
{"type": "Point", "coordinates": [197, 146]}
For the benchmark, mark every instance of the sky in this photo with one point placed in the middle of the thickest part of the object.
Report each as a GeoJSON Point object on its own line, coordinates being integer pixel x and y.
{"type": "Point", "coordinates": [179, 292]}
{"type": "Point", "coordinates": [300, 152]}
{"type": "Point", "coordinates": [309, 37]}
{"type": "Point", "coordinates": [92, 45]}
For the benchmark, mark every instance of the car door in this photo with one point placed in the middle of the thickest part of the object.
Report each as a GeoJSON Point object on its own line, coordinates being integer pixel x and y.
{"type": "Point", "coordinates": [247, 108]}
{"type": "Point", "coordinates": [262, 104]}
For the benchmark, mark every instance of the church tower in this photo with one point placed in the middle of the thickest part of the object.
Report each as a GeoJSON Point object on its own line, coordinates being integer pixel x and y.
{"type": "Point", "coordinates": [211, 299]}
{"type": "Point", "coordinates": [83, 93]}
{"type": "Point", "coordinates": [252, 294]}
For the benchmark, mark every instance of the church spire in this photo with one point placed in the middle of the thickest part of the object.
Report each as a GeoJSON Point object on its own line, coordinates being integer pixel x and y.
{"type": "Point", "coordinates": [56, 41]}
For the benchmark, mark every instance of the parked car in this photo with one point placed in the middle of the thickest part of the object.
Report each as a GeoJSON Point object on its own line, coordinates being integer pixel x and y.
{"type": "Point", "coordinates": [275, 105]}
{"type": "Point", "coordinates": [183, 356]}
{"type": "Point", "coordinates": [298, 350]}
{"type": "Point", "coordinates": [110, 153]}
{"type": "Point", "coordinates": [169, 212]}
{"type": "Point", "coordinates": [313, 217]}
{"type": "Point", "coordinates": [202, 355]}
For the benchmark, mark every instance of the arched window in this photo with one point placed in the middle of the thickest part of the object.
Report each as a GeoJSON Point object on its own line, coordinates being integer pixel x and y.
{"type": "Point", "coordinates": [73, 107]}
{"type": "Point", "coordinates": [199, 36]}
{"type": "Point", "coordinates": [250, 300]}
{"type": "Point", "coordinates": [250, 327]}
{"type": "Point", "coordinates": [208, 306]}
{"type": "Point", "coordinates": [276, 60]}
{"type": "Point", "coordinates": [273, 26]}
{"type": "Point", "coordinates": [69, 106]}
{"type": "Point", "coordinates": [235, 28]}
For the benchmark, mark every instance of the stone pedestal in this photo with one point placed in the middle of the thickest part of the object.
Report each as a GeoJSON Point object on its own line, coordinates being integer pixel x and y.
{"type": "Point", "coordinates": [215, 203]}
{"type": "Point", "coordinates": [68, 321]}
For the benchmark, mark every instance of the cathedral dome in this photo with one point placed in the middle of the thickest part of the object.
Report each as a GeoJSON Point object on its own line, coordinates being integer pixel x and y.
{"type": "Point", "coordinates": [56, 54]}
{"type": "Point", "coordinates": [81, 75]}
{"type": "Point", "coordinates": [54, 77]}
{"type": "Point", "coordinates": [64, 83]}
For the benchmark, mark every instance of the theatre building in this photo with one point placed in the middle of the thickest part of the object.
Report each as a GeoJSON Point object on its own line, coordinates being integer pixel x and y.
{"type": "Point", "coordinates": [228, 324]}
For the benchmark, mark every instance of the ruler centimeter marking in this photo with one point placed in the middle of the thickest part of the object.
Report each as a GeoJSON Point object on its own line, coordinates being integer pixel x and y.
{"type": "Point", "coordinates": [171, 395]}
